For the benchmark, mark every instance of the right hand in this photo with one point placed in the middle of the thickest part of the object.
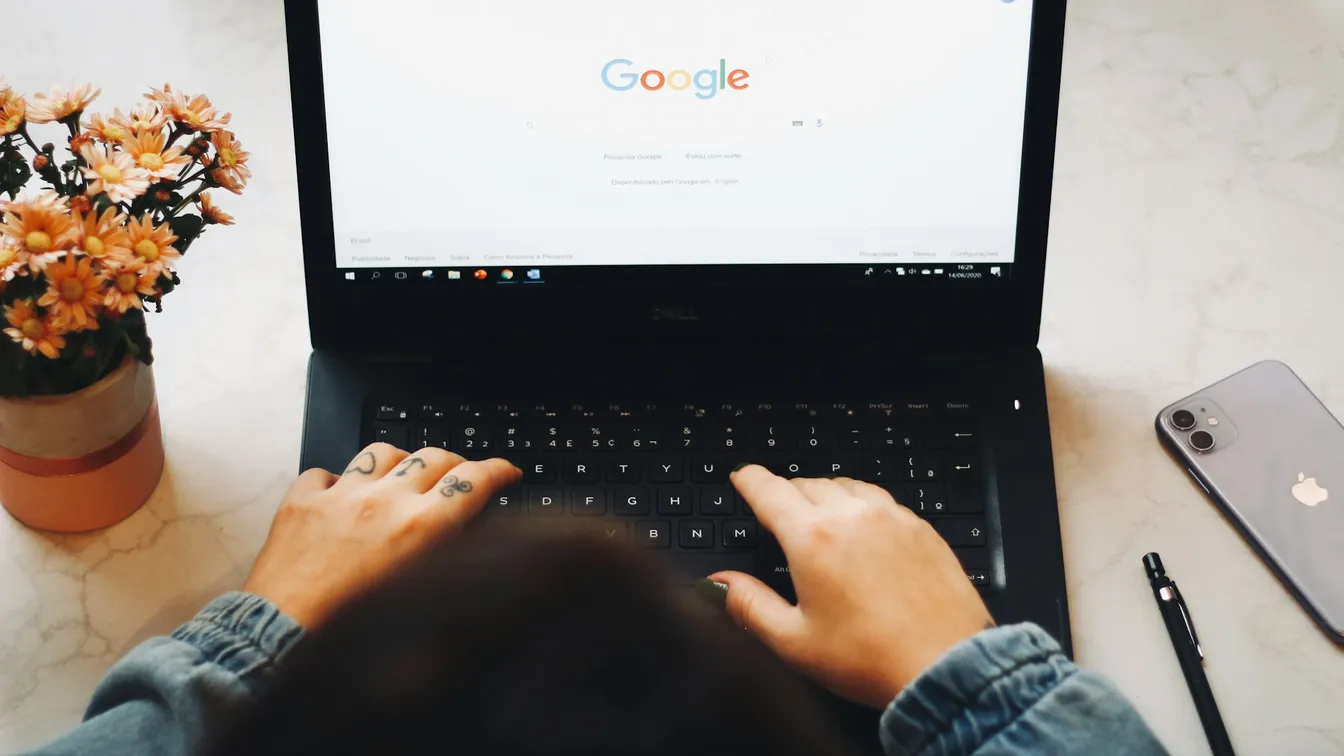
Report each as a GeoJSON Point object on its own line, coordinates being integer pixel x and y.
{"type": "Point", "coordinates": [880, 595]}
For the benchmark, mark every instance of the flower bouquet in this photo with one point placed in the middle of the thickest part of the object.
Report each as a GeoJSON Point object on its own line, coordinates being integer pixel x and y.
{"type": "Point", "coordinates": [89, 239]}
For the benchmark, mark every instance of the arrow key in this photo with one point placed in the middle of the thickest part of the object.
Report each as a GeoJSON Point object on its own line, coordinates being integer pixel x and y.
{"type": "Point", "coordinates": [961, 531]}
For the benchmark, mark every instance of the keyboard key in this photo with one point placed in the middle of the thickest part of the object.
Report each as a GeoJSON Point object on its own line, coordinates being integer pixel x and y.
{"type": "Point", "coordinates": [962, 531]}
{"type": "Point", "coordinates": [928, 499]}
{"type": "Point", "coordinates": [653, 534]}
{"type": "Point", "coordinates": [739, 534]}
{"type": "Point", "coordinates": [581, 471]}
{"type": "Point", "coordinates": [696, 534]}
{"type": "Point", "coordinates": [516, 438]}
{"type": "Point", "coordinates": [588, 501]}
{"type": "Point", "coordinates": [715, 500]}
{"type": "Point", "coordinates": [547, 502]}
{"type": "Point", "coordinates": [978, 577]}
{"type": "Point", "coordinates": [674, 500]}
{"type": "Point", "coordinates": [630, 501]}
{"type": "Point", "coordinates": [689, 438]}
{"type": "Point", "coordinates": [973, 558]}
{"type": "Point", "coordinates": [397, 435]}
{"type": "Point", "coordinates": [474, 446]}
{"type": "Point", "coordinates": [889, 436]}
{"type": "Point", "coordinates": [613, 529]}
{"type": "Point", "coordinates": [440, 438]}
{"type": "Point", "coordinates": [962, 467]}
{"type": "Point", "coordinates": [505, 503]}
{"type": "Point", "coordinates": [792, 468]}
{"type": "Point", "coordinates": [665, 470]}
{"type": "Point", "coordinates": [706, 470]}
{"type": "Point", "coordinates": [924, 468]}
{"type": "Point", "coordinates": [838, 467]}
{"type": "Point", "coordinates": [538, 471]}
{"type": "Point", "coordinates": [959, 436]}
{"type": "Point", "coordinates": [880, 469]}
{"type": "Point", "coordinates": [965, 497]}
{"type": "Point", "coordinates": [393, 412]}
{"type": "Point", "coordinates": [957, 409]}
{"type": "Point", "coordinates": [433, 413]}
{"type": "Point", "coordinates": [916, 408]}
{"type": "Point", "coordinates": [642, 438]}
{"type": "Point", "coordinates": [625, 470]}
{"type": "Point", "coordinates": [853, 438]}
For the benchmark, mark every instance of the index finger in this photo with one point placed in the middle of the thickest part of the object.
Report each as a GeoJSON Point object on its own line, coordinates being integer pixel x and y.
{"type": "Point", "coordinates": [775, 501]}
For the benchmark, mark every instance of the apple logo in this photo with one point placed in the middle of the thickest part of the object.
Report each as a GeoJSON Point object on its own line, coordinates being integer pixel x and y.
{"type": "Point", "coordinates": [1308, 491]}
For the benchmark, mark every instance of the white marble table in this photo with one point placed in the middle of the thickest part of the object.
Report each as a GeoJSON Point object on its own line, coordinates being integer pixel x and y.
{"type": "Point", "coordinates": [1198, 227]}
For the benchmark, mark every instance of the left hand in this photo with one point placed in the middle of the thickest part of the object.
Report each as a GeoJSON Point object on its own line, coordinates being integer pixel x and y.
{"type": "Point", "coordinates": [336, 535]}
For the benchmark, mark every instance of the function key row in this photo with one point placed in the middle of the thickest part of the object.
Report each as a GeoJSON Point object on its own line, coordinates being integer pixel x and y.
{"type": "Point", "coordinates": [739, 412]}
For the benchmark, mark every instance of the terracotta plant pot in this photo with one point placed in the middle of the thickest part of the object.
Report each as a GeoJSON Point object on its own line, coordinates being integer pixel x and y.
{"type": "Point", "coordinates": [82, 461]}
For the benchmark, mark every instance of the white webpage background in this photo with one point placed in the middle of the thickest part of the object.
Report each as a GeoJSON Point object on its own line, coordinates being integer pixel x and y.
{"type": "Point", "coordinates": [482, 132]}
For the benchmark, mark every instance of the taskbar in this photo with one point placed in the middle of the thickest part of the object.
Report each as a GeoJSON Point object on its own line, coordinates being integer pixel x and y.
{"type": "Point", "coordinates": [905, 273]}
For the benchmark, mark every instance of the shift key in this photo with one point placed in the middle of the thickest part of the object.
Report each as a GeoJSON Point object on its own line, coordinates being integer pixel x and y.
{"type": "Point", "coordinates": [961, 531]}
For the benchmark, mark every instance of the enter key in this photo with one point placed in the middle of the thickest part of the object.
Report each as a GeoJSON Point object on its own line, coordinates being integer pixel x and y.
{"type": "Point", "coordinates": [965, 486]}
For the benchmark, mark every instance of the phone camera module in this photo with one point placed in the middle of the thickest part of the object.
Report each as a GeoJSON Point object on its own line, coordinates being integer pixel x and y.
{"type": "Point", "coordinates": [1183, 419]}
{"type": "Point", "coordinates": [1202, 441]}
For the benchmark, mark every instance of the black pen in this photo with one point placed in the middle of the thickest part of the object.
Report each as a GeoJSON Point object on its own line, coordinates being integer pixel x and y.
{"type": "Point", "coordinates": [1181, 628]}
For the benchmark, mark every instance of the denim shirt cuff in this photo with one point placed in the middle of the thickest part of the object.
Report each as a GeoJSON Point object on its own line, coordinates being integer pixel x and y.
{"type": "Point", "coordinates": [978, 688]}
{"type": "Point", "coordinates": [241, 632]}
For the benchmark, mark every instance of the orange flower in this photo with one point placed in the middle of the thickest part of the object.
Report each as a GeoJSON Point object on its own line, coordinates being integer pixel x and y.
{"type": "Point", "coordinates": [232, 161]}
{"type": "Point", "coordinates": [79, 141]}
{"type": "Point", "coordinates": [196, 113]}
{"type": "Point", "coordinates": [32, 332]}
{"type": "Point", "coordinates": [111, 130]}
{"type": "Point", "coordinates": [10, 264]}
{"type": "Point", "coordinates": [153, 245]}
{"type": "Point", "coordinates": [129, 283]}
{"type": "Point", "coordinates": [39, 227]}
{"type": "Point", "coordinates": [147, 117]}
{"type": "Point", "coordinates": [114, 173]}
{"type": "Point", "coordinates": [80, 203]}
{"type": "Point", "coordinates": [74, 294]}
{"type": "Point", "coordinates": [13, 111]}
{"type": "Point", "coordinates": [213, 214]}
{"type": "Point", "coordinates": [103, 236]}
{"type": "Point", "coordinates": [146, 148]}
{"type": "Point", "coordinates": [46, 108]}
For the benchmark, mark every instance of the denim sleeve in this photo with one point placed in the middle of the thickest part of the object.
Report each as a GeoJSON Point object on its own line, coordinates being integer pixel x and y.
{"type": "Point", "coordinates": [164, 695]}
{"type": "Point", "coordinates": [1011, 691]}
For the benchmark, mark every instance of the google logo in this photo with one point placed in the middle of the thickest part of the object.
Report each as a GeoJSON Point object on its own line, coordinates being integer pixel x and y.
{"type": "Point", "coordinates": [707, 82]}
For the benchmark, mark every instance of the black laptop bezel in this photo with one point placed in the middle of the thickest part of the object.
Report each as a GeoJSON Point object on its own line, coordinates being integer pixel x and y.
{"type": "Point", "coordinates": [350, 316]}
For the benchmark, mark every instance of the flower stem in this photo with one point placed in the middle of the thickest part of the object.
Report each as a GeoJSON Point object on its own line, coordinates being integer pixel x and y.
{"type": "Point", "coordinates": [185, 201]}
{"type": "Point", "coordinates": [23, 132]}
{"type": "Point", "coordinates": [173, 137]}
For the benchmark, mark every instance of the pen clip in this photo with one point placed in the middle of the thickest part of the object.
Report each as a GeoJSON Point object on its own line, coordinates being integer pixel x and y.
{"type": "Point", "coordinates": [1189, 621]}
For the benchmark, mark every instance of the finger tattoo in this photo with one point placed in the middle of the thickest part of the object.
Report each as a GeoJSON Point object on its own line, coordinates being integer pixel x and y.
{"type": "Point", "coordinates": [407, 465]}
{"type": "Point", "coordinates": [452, 486]}
{"type": "Point", "coordinates": [364, 464]}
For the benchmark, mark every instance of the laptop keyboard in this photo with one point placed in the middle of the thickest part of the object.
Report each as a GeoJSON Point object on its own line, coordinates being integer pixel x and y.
{"type": "Point", "coordinates": [657, 474]}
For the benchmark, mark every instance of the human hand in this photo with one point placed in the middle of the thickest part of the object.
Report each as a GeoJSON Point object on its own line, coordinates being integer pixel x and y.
{"type": "Point", "coordinates": [880, 595]}
{"type": "Point", "coordinates": [336, 535]}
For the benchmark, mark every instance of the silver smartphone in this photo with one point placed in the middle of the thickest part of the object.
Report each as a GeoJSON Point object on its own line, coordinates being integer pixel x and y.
{"type": "Point", "coordinates": [1271, 457]}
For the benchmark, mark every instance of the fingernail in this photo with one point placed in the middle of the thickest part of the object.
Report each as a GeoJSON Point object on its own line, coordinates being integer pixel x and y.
{"type": "Point", "coordinates": [713, 592]}
{"type": "Point", "coordinates": [740, 465]}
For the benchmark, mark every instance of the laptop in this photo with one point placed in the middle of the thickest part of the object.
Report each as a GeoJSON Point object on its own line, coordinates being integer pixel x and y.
{"type": "Point", "coordinates": [629, 246]}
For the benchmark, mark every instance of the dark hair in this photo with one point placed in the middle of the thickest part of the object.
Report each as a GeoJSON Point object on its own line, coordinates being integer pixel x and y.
{"type": "Point", "coordinates": [509, 641]}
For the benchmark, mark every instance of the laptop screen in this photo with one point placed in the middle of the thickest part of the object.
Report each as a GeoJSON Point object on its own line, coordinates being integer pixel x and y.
{"type": "Point", "coordinates": [523, 141]}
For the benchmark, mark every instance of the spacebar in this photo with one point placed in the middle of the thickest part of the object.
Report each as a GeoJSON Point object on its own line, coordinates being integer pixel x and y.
{"type": "Point", "coordinates": [691, 568]}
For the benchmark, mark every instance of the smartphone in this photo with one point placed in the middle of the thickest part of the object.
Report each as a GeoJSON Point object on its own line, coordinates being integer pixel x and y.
{"type": "Point", "coordinates": [1271, 457]}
